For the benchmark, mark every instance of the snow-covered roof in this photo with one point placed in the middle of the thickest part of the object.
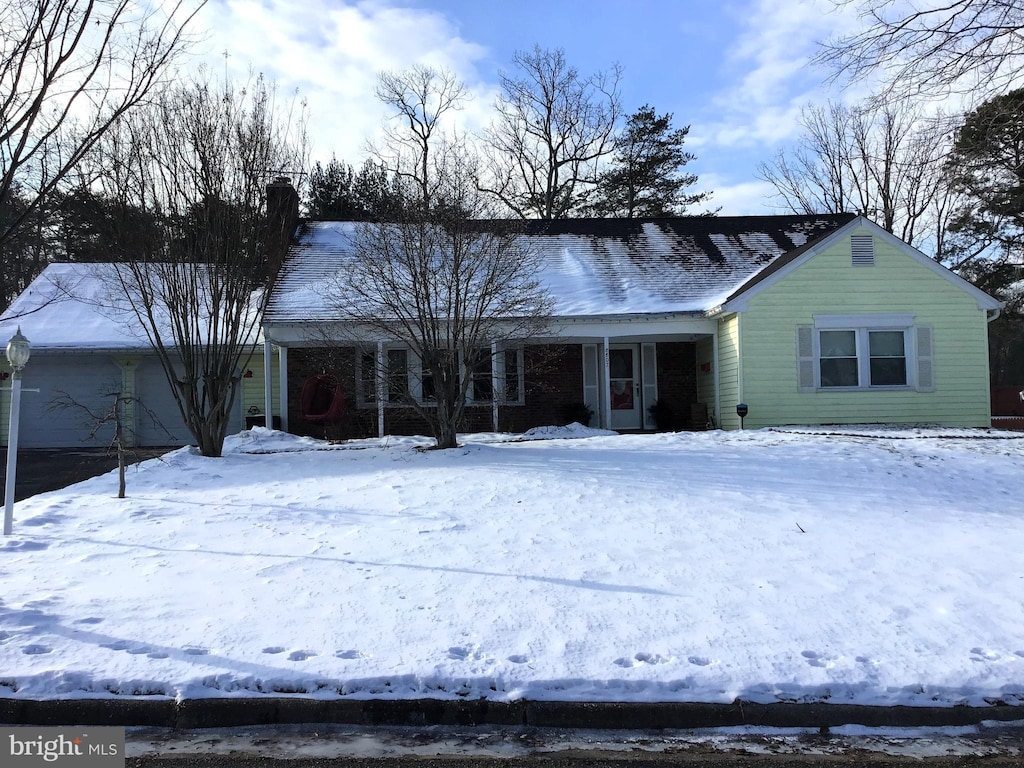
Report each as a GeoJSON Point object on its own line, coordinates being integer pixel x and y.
{"type": "Point", "coordinates": [76, 306]}
{"type": "Point", "coordinates": [590, 267]}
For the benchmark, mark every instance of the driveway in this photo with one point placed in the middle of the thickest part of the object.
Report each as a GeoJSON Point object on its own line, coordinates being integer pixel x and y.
{"type": "Point", "coordinates": [47, 469]}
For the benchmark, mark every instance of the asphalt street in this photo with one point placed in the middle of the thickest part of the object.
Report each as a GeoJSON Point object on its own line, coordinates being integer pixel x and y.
{"type": "Point", "coordinates": [325, 746]}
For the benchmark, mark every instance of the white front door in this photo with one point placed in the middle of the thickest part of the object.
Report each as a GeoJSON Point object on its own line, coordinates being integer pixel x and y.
{"type": "Point", "coordinates": [624, 380]}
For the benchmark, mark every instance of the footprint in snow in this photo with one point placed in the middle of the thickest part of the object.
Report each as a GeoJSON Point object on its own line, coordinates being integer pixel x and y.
{"type": "Point", "coordinates": [196, 651]}
{"type": "Point", "coordinates": [700, 661]}
{"type": "Point", "coordinates": [519, 658]}
{"type": "Point", "coordinates": [652, 658]}
{"type": "Point", "coordinates": [816, 659]}
{"type": "Point", "coordinates": [90, 620]}
{"type": "Point", "coordinates": [984, 654]}
{"type": "Point", "coordinates": [156, 655]}
{"type": "Point", "coordinates": [139, 649]}
{"type": "Point", "coordinates": [274, 649]}
{"type": "Point", "coordinates": [624, 662]}
{"type": "Point", "coordinates": [300, 655]}
{"type": "Point", "coordinates": [457, 652]}
{"type": "Point", "coordinates": [350, 654]}
{"type": "Point", "coordinates": [36, 650]}
{"type": "Point", "coordinates": [117, 645]}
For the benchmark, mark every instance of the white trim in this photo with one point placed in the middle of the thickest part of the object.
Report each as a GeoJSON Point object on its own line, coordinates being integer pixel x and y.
{"type": "Point", "coordinates": [825, 322]}
{"type": "Point", "coordinates": [862, 338]}
{"type": "Point", "coordinates": [606, 416]}
{"type": "Point", "coordinates": [282, 353]}
{"type": "Point", "coordinates": [740, 302]}
{"type": "Point", "coordinates": [378, 385]}
{"type": "Point", "coordinates": [718, 393]}
{"type": "Point", "coordinates": [268, 384]}
{"type": "Point", "coordinates": [497, 385]}
{"type": "Point", "coordinates": [648, 384]}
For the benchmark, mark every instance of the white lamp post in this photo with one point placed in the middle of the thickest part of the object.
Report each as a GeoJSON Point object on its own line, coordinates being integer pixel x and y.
{"type": "Point", "coordinates": [18, 351]}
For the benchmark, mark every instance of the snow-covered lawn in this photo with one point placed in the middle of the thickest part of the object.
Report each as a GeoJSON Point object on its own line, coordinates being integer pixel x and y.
{"type": "Point", "coordinates": [881, 567]}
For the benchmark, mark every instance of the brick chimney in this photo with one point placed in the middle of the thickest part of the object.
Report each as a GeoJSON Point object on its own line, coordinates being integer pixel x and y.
{"type": "Point", "coordinates": [282, 219]}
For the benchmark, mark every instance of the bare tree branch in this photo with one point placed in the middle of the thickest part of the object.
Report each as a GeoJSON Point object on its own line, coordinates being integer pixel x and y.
{"type": "Point", "coordinates": [196, 164]}
{"type": "Point", "coordinates": [554, 126]}
{"type": "Point", "coordinates": [957, 46]}
{"type": "Point", "coordinates": [69, 70]}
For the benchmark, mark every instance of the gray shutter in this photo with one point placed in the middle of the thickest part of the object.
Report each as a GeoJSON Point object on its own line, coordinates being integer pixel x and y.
{"type": "Point", "coordinates": [925, 368]}
{"type": "Point", "coordinates": [649, 374]}
{"type": "Point", "coordinates": [805, 358]}
{"type": "Point", "coordinates": [591, 396]}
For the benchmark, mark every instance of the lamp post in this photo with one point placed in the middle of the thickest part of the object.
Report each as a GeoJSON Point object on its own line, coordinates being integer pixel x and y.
{"type": "Point", "coordinates": [18, 351]}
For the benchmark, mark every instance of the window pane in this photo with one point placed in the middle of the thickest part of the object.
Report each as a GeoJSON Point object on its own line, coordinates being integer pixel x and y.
{"type": "Point", "coordinates": [838, 343]}
{"type": "Point", "coordinates": [481, 387]}
{"type": "Point", "coordinates": [368, 363]}
{"type": "Point", "coordinates": [398, 374]}
{"type": "Point", "coordinates": [888, 371]}
{"type": "Point", "coordinates": [512, 375]}
{"type": "Point", "coordinates": [839, 372]}
{"type": "Point", "coordinates": [886, 343]}
{"type": "Point", "coordinates": [620, 363]}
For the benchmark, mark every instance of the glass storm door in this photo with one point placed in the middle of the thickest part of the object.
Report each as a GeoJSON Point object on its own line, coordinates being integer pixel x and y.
{"type": "Point", "coordinates": [624, 380]}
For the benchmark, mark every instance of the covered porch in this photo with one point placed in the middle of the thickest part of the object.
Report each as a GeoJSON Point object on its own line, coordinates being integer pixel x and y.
{"type": "Point", "coordinates": [627, 374]}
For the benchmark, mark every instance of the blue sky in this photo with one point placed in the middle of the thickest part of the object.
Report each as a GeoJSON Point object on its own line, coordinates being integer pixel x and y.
{"type": "Point", "coordinates": [736, 71]}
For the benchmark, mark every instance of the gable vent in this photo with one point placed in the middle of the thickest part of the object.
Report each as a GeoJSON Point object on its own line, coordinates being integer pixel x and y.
{"type": "Point", "coordinates": [863, 250]}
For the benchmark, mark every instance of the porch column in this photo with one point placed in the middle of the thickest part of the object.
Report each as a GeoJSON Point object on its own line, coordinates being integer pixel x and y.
{"type": "Point", "coordinates": [378, 382]}
{"type": "Point", "coordinates": [128, 366]}
{"type": "Point", "coordinates": [714, 363]}
{"type": "Point", "coordinates": [282, 352]}
{"type": "Point", "coordinates": [268, 383]}
{"type": "Point", "coordinates": [496, 389]}
{"type": "Point", "coordinates": [606, 417]}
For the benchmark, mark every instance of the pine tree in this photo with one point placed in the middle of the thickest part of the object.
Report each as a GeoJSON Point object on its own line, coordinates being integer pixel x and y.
{"type": "Point", "coordinates": [338, 192]}
{"type": "Point", "coordinates": [645, 177]}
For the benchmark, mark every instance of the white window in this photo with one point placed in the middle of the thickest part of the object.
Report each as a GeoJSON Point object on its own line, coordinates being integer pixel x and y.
{"type": "Point", "coordinates": [505, 370]}
{"type": "Point", "coordinates": [406, 377]}
{"type": "Point", "coordinates": [395, 376]}
{"type": "Point", "coordinates": [864, 352]}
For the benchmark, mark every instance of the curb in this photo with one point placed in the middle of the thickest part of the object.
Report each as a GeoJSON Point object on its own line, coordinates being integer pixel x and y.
{"type": "Point", "coordinates": [227, 713]}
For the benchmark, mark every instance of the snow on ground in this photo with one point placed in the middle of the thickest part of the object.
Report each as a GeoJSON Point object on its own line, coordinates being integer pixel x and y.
{"type": "Point", "coordinates": [762, 565]}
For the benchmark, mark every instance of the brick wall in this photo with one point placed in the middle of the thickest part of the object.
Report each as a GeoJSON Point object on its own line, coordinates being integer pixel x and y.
{"type": "Point", "coordinates": [554, 383]}
{"type": "Point", "coordinates": [677, 382]}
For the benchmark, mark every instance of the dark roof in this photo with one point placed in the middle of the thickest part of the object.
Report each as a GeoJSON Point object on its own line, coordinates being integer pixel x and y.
{"type": "Point", "coordinates": [596, 266]}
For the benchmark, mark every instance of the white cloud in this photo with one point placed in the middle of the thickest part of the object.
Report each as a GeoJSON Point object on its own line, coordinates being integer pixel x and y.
{"type": "Point", "coordinates": [773, 77]}
{"type": "Point", "coordinates": [748, 198]}
{"type": "Point", "coordinates": [330, 55]}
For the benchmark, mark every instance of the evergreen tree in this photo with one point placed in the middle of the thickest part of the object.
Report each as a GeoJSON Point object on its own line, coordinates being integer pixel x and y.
{"type": "Point", "coordinates": [646, 176]}
{"type": "Point", "coordinates": [987, 168]}
{"type": "Point", "coordinates": [337, 192]}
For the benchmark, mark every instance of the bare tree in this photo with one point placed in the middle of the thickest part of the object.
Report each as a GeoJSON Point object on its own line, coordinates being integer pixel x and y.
{"type": "Point", "coordinates": [883, 164]}
{"type": "Point", "coordinates": [69, 70]}
{"type": "Point", "coordinates": [958, 46]}
{"type": "Point", "coordinates": [554, 127]}
{"type": "Point", "coordinates": [416, 139]}
{"type": "Point", "coordinates": [445, 283]}
{"type": "Point", "coordinates": [120, 443]}
{"type": "Point", "coordinates": [197, 163]}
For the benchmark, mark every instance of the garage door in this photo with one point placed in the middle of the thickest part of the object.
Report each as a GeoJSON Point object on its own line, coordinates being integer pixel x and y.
{"type": "Point", "coordinates": [158, 420]}
{"type": "Point", "coordinates": [85, 379]}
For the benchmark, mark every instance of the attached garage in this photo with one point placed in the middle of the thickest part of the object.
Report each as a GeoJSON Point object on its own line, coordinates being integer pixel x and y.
{"type": "Point", "coordinates": [84, 379]}
{"type": "Point", "coordinates": [80, 350]}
